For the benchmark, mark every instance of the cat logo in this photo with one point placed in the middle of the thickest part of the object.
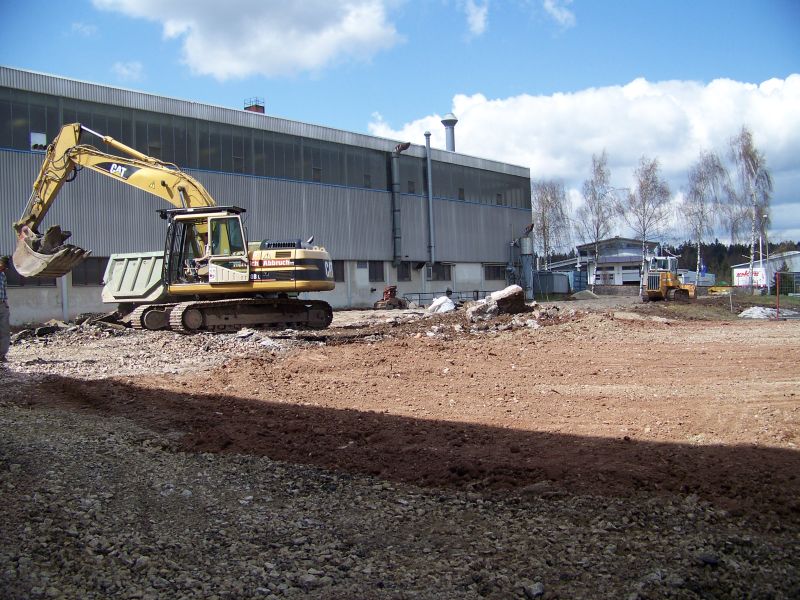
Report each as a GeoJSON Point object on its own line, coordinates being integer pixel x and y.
{"type": "Point", "coordinates": [118, 170]}
{"type": "Point", "coordinates": [121, 171]}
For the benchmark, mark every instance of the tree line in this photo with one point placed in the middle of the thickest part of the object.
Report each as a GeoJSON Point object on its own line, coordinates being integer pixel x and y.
{"type": "Point", "coordinates": [730, 195]}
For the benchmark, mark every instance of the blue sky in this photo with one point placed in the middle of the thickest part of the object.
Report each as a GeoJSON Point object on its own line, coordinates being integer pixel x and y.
{"type": "Point", "coordinates": [542, 83]}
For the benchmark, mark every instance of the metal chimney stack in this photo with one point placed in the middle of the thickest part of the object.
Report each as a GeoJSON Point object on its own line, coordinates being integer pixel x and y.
{"type": "Point", "coordinates": [449, 123]}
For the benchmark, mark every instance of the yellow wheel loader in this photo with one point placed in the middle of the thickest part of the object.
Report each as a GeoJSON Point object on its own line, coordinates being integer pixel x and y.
{"type": "Point", "coordinates": [662, 281]}
{"type": "Point", "coordinates": [208, 278]}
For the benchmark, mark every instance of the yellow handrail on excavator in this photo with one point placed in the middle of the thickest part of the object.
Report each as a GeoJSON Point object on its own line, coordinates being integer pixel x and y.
{"type": "Point", "coordinates": [47, 255]}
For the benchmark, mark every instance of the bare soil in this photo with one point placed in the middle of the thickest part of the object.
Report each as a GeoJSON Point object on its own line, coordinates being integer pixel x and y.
{"type": "Point", "coordinates": [595, 400]}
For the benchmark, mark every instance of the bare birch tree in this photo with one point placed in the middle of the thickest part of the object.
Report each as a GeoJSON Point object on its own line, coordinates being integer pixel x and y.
{"type": "Point", "coordinates": [595, 217]}
{"type": "Point", "coordinates": [701, 204]}
{"type": "Point", "coordinates": [755, 184]}
{"type": "Point", "coordinates": [646, 208]}
{"type": "Point", "coordinates": [734, 213]}
{"type": "Point", "coordinates": [550, 221]}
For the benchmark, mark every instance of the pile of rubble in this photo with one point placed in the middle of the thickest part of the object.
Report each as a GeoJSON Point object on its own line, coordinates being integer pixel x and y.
{"type": "Point", "coordinates": [490, 314]}
{"type": "Point", "coordinates": [91, 348]}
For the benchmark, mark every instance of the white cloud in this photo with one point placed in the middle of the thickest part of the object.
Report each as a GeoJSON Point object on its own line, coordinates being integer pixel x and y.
{"type": "Point", "coordinates": [239, 38]}
{"type": "Point", "coordinates": [672, 120]}
{"type": "Point", "coordinates": [477, 16]}
{"type": "Point", "coordinates": [84, 29]}
{"type": "Point", "coordinates": [557, 9]}
{"type": "Point", "coordinates": [128, 71]}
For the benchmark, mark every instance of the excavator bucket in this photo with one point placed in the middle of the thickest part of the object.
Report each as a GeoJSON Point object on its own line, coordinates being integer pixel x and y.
{"type": "Point", "coordinates": [46, 255]}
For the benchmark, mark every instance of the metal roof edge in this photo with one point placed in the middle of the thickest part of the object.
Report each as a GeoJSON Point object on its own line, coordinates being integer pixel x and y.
{"type": "Point", "coordinates": [45, 83]}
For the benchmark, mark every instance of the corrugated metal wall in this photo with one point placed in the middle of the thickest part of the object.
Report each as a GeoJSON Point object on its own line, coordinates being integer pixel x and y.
{"type": "Point", "coordinates": [353, 224]}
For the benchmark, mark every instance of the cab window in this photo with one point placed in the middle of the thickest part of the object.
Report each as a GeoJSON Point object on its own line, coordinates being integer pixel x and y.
{"type": "Point", "coordinates": [226, 237]}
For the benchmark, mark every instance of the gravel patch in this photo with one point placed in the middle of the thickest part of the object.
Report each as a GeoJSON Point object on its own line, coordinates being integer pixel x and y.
{"type": "Point", "coordinates": [97, 508]}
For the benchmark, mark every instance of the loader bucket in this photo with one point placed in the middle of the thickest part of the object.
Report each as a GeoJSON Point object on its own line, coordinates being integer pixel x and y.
{"type": "Point", "coordinates": [46, 255]}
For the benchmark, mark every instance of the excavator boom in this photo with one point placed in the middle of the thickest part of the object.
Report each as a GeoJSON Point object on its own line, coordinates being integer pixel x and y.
{"type": "Point", "coordinates": [48, 254]}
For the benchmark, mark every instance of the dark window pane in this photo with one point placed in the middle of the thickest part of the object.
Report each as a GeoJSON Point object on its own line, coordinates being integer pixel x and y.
{"type": "Point", "coordinates": [141, 136]}
{"type": "Point", "coordinates": [5, 123]}
{"type": "Point", "coordinates": [126, 131]}
{"type": "Point", "coordinates": [226, 140]}
{"type": "Point", "coordinates": [439, 272]}
{"type": "Point", "coordinates": [20, 130]}
{"type": "Point", "coordinates": [181, 153]}
{"type": "Point", "coordinates": [494, 272]}
{"type": "Point", "coordinates": [404, 271]}
{"type": "Point", "coordinates": [338, 270]}
{"type": "Point", "coordinates": [38, 118]}
{"type": "Point", "coordinates": [14, 279]}
{"type": "Point", "coordinates": [376, 270]}
{"type": "Point", "coordinates": [90, 271]}
{"type": "Point", "coordinates": [53, 126]}
{"type": "Point", "coordinates": [167, 142]}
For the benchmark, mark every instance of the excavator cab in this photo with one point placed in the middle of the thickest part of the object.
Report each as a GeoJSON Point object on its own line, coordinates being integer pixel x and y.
{"type": "Point", "coordinates": [205, 246]}
{"type": "Point", "coordinates": [663, 264]}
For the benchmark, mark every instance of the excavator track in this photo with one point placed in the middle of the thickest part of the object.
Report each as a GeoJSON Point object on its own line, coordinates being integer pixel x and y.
{"type": "Point", "coordinates": [151, 316]}
{"type": "Point", "coordinates": [230, 315]}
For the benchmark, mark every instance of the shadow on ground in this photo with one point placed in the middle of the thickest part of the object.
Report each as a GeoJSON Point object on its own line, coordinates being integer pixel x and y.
{"type": "Point", "coordinates": [758, 482]}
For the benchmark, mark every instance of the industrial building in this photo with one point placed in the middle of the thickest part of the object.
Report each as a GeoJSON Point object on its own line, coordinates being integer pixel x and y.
{"type": "Point", "coordinates": [619, 261]}
{"type": "Point", "coordinates": [765, 268]}
{"type": "Point", "coordinates": [388, 214]}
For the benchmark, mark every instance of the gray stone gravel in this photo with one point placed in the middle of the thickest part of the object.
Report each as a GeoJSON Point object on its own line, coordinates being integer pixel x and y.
{"type": "Point", "coordinates": [97, 508]}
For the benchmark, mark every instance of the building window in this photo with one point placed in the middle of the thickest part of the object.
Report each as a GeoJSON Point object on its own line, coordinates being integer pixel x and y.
{"type": "Point", "coordinates": [412, 186]}
{"type": "Point", "coordinates": [38, 141]}
{"type": "Point", "coordinates": [404, 271]}
{"type": "Point", "coordinates": [14, 279]}
{"type": "Point", "coordinates": [367, 181]}
{"type": "Point", "coordinates": [461, 195]}
{"type": "Point", "coordinates": [90, 271]}
{"type": "Point", "coordinates": [499, 200]}
{"type": "Point", "coordinates": [376, 270]}
{"type": "Point", "coordinates": [316, 175]}
{"type": "Point", "coordinates": [338, 270]}
{"type": "Point", "coordinates": [440, 272]}
{"type": "Point", "coordinates": [494, 272]}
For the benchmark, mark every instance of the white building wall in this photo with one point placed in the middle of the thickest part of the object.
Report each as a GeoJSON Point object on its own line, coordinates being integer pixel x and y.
{"type": "Point", "coordinates": [468, 277]}
{"type": "Point", "coordinates": [36, 305]}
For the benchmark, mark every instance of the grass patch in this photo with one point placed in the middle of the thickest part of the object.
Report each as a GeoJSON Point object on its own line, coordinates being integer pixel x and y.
{"type": "Point", "coordinates": [768, 301]}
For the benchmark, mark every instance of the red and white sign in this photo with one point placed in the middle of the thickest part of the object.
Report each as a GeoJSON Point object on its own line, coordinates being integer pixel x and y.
{"type": "Point", "coordinates": [741, 277]}
{"type": "Point", "coordinates": [272, 262]}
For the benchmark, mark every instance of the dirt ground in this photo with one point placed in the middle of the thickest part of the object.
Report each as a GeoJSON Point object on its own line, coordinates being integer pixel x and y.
{"type": "Point", "coordinates": [604, 399]}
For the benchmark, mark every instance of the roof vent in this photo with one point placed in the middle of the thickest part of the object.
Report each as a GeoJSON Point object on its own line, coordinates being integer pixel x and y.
{"type": "Point", "coordinates": [255, 105]}
{"type": "Point", "coordinates": [449, 123]}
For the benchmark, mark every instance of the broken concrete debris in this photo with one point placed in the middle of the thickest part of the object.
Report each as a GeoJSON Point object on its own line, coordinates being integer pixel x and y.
{"type": "Point", "coordinates": [442, 304]}
{"type": "Point", "coordinates": [510, 300]}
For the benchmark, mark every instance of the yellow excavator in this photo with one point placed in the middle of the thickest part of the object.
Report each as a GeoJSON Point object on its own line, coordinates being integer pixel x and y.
{"type": "Point", "coordinates": [209, 278]}
{"type": "Point", "coordinates": [663, 283]}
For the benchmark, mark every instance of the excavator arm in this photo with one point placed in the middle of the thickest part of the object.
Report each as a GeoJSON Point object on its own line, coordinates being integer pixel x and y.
{"type": "Point", "coordinates": [47, 255]}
